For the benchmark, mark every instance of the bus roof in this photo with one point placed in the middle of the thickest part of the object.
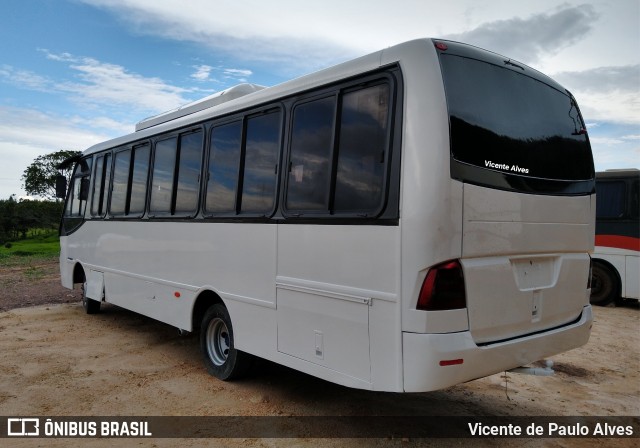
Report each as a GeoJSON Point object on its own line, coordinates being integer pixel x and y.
{"type": "Point", "coordinates": [618, 173]}
{"type": "Point", "coordinates": [204, 103]}
{"type": "Point", "coordinates": [157, 124]}
{"type": "Point", "coordinates": [244, 96]}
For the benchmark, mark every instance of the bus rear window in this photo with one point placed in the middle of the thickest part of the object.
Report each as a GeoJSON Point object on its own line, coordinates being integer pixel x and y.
{"type": "Point", "coordinates": [514, 126]}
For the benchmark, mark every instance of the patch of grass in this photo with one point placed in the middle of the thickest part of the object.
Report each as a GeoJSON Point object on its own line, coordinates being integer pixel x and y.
{"type": "Point", "coordinates": [34, 273]}
{"type": "Point", "coordinates": [25, 251]}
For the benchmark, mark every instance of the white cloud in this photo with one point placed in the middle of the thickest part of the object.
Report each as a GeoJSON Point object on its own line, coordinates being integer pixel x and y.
{"type": "Point", "coordinates": [206, 72]}
{"type": "Point", "coordinates": [24, 79]}
{"type": "Point", "coordinates": [611, 106]}
{"type": "Point", "coordinates": [236, 72]}
{"type": "Point", "coordinates": [605, 141]}
{"type": "Point", "coordinates": [43, 132]}
{"type": "Point", "coordinates": [622, 78]}
{"type": "Point", "coordinates": [202, 72]}
{"type": "Point", "coordinates": [615, 156]}
{"type": "Point", "coordinates": [103, 85]}
{"type": "Point", "coordinates": [26, 134]}
{"type": "Point", "coordinates": [112, 84]}
{"type": "Point", "coordinates": [532, 38]}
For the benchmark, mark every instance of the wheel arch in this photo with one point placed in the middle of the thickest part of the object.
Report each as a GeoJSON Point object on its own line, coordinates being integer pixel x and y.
{"type": "Point", "coordinates": [203, 302]}
{"type": "Point", "coordinates": [608, 265]}
{"type": "Point", "coordinates": [79, 275]}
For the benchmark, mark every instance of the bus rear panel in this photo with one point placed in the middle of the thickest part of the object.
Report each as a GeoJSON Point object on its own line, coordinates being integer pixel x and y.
{"type": "Point", "coordinates": [522, 172]}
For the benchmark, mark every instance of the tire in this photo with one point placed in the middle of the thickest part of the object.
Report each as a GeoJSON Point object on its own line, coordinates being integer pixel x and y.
{"type": "Point", "coordinates": [217, 345]}
{"type": "Point", "coordinates": [604, 285]}
{"type": "Point", "coordinates": [90, 306]}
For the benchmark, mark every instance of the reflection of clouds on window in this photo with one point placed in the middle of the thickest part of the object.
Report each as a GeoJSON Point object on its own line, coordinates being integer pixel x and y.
{"type": "Point", "coordinates": [310, 152]}
{"type": "Point", "coordinates": [120, 182]}
{"type": "Point", "coordinates": [224, 162]}
{"type": "Point", "coordinates": [96, 208]}
{"type": "Point", "coordinates": [297, 173]}
{"type": "Point", "coordinates": [261, 156]}
{"type": "Point", "coordinates": [76, 204]}
{"type": "Point", "coordinates": [361, 148]}
{"type": "Point", "coordinates": [139, 180]}
{"type": "Point", "coordinates": [162, 180]}
{"type": "Point", "coordinates": [189, 172]}
{"type": "Point", "coordinates": [362, 143]}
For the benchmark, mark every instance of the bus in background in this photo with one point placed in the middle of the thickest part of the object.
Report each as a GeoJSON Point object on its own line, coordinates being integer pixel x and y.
{"type": "Point", "coordinates": [616, 267]}
{"type": "Point", "coordinates": [413, 219]}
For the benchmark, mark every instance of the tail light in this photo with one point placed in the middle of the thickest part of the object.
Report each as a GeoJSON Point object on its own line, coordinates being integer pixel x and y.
{"type": "Point", "coordinates": [443, 288]}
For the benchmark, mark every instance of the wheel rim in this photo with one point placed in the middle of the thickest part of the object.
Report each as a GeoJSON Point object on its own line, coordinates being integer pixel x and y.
{"type": "Point", "coordinates": [218, 341]}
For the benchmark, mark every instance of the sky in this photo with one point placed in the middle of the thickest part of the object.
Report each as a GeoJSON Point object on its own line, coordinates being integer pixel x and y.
{"type": "Point", "coordinates": [77, 72]}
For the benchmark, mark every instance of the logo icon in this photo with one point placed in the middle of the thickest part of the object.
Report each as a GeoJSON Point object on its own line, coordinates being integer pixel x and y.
{"type": "Point", "coordinates": [23, 427]}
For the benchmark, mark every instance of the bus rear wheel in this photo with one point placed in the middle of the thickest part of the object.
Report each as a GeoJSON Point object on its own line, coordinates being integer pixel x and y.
{"type": "Point", "coordinates": [604, 285]}
{"type": "Point", "coordinates": [217, 345]}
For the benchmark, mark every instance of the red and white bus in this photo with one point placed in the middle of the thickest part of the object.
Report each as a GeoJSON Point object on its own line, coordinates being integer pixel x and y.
{"type": "Point", "coordinates": [616, 266]}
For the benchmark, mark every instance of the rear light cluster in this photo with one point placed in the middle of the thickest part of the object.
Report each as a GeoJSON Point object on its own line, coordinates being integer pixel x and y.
{"type": "Point", "coordinates": [443, 288]}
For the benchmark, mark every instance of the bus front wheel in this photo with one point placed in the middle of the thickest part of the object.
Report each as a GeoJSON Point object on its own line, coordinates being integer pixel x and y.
{"type": "Point", "coordinates": [604, 285]}
{"type": "Point", "coordinates": [90, 306]}
{"type": "Point", "coordinates": [217, 344]}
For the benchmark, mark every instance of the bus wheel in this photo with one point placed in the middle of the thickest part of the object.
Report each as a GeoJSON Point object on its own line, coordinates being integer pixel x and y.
{"type": "Point", "coordinates": [90, 306]}
{"type": "Point", "coordinates": [603, 285]}
{"type": "Point", "coordinates": [217, 344]}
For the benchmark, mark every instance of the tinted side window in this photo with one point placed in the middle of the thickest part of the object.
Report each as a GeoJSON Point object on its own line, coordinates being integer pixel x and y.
{"type": "Point", "coordinates": [610, 199]}
{"type": "Point", "coordinates": [224, 164]}
{"type": "Point", "coordinates": [138, 192]}
{"type": "Point", "coordinates": [98, 190]}
{"type": "Point", "coordinates": [635, 200]}
{"type": "Point", "coordinates": [310, 153]}
{"type": "Point", "coordinates": [120, 182]}
{"type": "Point", "coordinates": [79, 190]}
{"type": "Point", "coordinates": [163, 172]}
{"type": "Point", "coordinates": [129, 188]}
{"type": "Point", "coordinates": [260, 168]}
{"type": "Point", "coordinates": [189, 167]}
{"type": "Point", "coordinates": [362, 146]}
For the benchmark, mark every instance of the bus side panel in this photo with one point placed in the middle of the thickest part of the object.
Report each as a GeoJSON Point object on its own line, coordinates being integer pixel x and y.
{"type": "Point", "coordinates": [236, 261]}
{"type": "Point", "coordinates": [632, 284]}
{"type": "Point", "coordinates": [431, 203]}
{"type": "Point", "coordinates": [66, 267]}
{"type": "Point", "coordinates": [336, 292]}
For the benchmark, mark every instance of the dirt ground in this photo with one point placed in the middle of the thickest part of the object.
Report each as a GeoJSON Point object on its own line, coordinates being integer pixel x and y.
{"type": "Point", "coordinates": [57, 361]}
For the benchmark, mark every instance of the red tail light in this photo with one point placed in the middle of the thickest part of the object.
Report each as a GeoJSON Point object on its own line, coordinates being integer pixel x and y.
{"type": "Point", "coordinates": [443, 288]}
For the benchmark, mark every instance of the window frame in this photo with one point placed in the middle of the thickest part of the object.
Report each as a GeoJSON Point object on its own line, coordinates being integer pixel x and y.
{"type": "Point", "coordinates": [132, 148]}
{"type": "Point", "coordinates": [105, 188]}
{"type": "Point", "coordinates": [243, 118]}
{"type": "Point", "coordinates": [385, 77]}
{"type": "Point", "coordinates": [177, 134]}
{"type": "Point", "coordinates": [84, 178]}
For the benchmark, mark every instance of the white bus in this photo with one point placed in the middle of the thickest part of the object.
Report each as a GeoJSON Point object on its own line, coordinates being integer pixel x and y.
{"type": "Point", "coordinates": [406, 221]}
{"type": "Point", "coordinates": [616, 259]}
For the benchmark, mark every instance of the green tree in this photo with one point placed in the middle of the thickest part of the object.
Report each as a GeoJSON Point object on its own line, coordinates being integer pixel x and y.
{"type": "Point", "coordinates": [40, 177]}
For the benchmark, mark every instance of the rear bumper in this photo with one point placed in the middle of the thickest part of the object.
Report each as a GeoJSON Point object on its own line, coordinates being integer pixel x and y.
{"type": "Point", "coordinates": [422, 354]}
